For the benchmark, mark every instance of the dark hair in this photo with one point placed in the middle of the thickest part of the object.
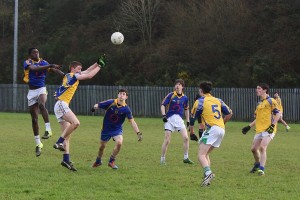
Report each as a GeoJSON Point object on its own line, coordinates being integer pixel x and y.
{"type": "Point", "coordinates": [179, 81]}
{"type": "Point", "coordinates": [123, 90]}
{"type": "Point", "coordinates": [264, 86]}
{"type": "Point", "coordinates": [206, 86]}
{"type": "Point", "coordinates": [30, 50]}
{"type": "Point", "coordinates": [276, 92]}
{"type": "Point", "coordinates": [197, 97]}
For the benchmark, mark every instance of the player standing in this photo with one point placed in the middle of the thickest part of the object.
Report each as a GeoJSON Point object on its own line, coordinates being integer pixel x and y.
{"type": "Point", "coordinates": [172, 108]}
{"type": "Point", "coordinates": [116, 110]}
{"type": "Point", "coordinates": [267, 114]}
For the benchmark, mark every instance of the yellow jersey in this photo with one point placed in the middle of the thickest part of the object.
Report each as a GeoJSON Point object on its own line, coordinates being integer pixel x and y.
{"type": "Point", "coordinates": [68, 88]}
{"type": "Point", "coordinates": [211, 109]}
{"type": "Point", "coordinates": [264, 114]}
{"type": "Point", "coordinates": [278, 99]}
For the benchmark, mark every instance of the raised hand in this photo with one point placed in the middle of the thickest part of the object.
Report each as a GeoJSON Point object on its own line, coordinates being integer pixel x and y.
{"type": "Point", "coordinates": [102, 60]}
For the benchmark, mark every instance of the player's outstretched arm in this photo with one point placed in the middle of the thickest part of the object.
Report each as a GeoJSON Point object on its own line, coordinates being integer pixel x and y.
{"type": "Point", "coordinates": [40, 68]}
{"type": "Point", "coordinates": [95, 107]}
{"type": "Point", "coordinates": [101, 62]}
{"type": "Point", "coordinates": [58, 72]}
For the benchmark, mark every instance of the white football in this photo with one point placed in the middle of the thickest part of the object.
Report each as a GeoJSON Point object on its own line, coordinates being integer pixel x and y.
{"type": "Point", "coordinates": [117, 38]}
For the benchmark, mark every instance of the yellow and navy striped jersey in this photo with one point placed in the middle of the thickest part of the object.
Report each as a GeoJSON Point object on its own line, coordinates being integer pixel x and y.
{"type": "Point", "coordinates": [211, 110]}
{"type": "Point", "coordinates": [68, 88]}
{"type": "Point", "coordinates": [35, 78]}
{"type": "Point", "coordinates": [175, 104]}
{"type": "Point", "coordinates": [278, 100]}
{"type": "Point", "coordinates": [264, 114]}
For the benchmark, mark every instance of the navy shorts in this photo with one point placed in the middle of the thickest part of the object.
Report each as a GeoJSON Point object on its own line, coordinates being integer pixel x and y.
{"type": "Point", "coordinates": [105, 136]}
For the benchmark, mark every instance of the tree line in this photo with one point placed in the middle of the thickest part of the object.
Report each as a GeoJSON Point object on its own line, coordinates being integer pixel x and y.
{"type": "Point", "coordinates": [234, 43]}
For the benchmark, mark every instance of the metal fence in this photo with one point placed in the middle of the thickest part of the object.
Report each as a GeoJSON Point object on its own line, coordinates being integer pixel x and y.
{"type": "Point", "coordinates": [145, 101]}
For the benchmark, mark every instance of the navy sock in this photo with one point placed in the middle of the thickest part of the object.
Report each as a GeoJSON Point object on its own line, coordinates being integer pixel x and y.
{"type": "Point", "coordinates": [200, 132]}
{"type": "Point", "coordinates": [112, 158]}
{"type": "Point", "coordinates": [66, 157]}
{"type": "Point", "coordinates": [257, 164]}
{"type": "Point", "coordinates": [60, 140]}
{"type": "Point", "coordinates": [98, 160]}
{"type": "Point", "coordinates": [262, 168]}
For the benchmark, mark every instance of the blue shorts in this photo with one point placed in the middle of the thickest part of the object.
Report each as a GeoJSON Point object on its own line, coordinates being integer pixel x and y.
{"type": "Point", "coordinates": [105, 136]}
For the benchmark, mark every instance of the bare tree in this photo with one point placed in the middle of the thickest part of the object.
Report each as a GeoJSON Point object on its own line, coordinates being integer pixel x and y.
{"type": "Point", "coordinates": [140, 15]}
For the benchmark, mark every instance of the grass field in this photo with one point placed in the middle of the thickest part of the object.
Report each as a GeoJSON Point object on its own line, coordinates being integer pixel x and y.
{"type": "Point", "coordinates": [140, 176]}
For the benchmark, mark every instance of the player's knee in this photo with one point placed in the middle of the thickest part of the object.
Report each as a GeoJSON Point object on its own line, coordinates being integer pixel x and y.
{"type": "Point", "coordinates": [119, 144]}
{"type": "Point", "coordinates": [102, 147]}
{"type": "Point", "coordinates": [75, 124]}
{"type": "Point", "coordinates": [254, 150]}
{"type": "Point", "coordinates": [263, 148]}
{"type": "Point", "coordinates": [42, 106]}
{"type": "Point", "coordinates": [167, 141]}
{"type": "Point", "coordinates": [185, 138]}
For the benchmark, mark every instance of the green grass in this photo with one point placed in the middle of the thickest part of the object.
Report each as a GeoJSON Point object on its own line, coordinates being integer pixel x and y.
{"type": "Point", "coordinates": [24, 176]}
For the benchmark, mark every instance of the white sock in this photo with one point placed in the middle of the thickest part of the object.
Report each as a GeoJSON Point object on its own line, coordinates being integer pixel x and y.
{"type": "Point", "coordinates": [208, 173]}
{"type": "Point", "coordinates": [37, 140]}
{"type": "Point", "coordinates": [185, 156]}
{"type": "Point", "coordinates": [48, 127]}
{"type": "Point", "coordinates": [163, 158]}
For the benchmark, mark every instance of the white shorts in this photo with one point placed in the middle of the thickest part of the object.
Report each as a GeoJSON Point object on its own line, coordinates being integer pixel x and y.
{"type": "Point", "coordinates": [213, 136]}
{"type": "Point", "coordinates": [60, 109]}
{"type": "Point", "coordinates": [33, 95]}
{"type": "Point", "coordinates": [175, 122]}
{"type": "Point", "coordinates": [260, 136]}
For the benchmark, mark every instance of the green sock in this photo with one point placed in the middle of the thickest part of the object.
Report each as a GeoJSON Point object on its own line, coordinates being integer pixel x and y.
{"type": "Point", "coordinates": [206, 170]}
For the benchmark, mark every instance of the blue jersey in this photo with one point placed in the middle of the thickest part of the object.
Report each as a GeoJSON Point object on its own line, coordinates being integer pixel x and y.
{"type": "Point", "coordinates": [175, 104]}
{"type": "Point", "coordinates": [114, 115]}
{"type": "Point", "coordinates": [35, 78]}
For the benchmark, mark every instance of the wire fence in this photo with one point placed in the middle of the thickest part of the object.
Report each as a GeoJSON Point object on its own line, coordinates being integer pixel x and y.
{"type": "Point", "coordinates": [145, 101]}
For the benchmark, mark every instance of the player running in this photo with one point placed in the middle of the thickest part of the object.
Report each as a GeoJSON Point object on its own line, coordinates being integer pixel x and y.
{"type": "Point", "coordinates": [210, 109]}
